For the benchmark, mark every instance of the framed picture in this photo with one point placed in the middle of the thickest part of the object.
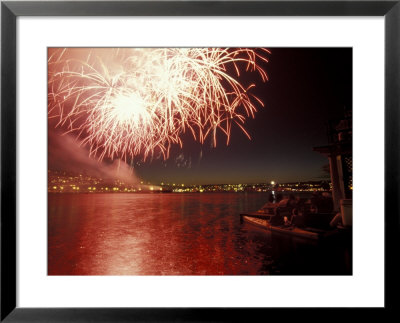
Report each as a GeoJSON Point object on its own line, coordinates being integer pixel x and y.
{"type": "Point", "coordinates": [195, 160]}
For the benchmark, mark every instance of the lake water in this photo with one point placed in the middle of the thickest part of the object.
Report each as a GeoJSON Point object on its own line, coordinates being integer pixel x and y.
{"type": "Point", "coordinates": [176, 234]}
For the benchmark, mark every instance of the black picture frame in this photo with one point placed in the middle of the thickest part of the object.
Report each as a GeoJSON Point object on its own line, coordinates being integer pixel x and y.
{"type": "Point", "coordinates": [10, 10]}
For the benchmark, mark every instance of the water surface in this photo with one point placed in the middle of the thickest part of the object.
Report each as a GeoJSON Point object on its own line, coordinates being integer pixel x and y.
{"type": "Point", "coordinates": [175, 234]}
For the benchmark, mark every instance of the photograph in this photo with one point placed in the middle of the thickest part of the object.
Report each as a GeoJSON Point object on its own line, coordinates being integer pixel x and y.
{"type": "Point", "coordinates": [199, 161]}
{"type": "Point", "coordinates": [192, 161]}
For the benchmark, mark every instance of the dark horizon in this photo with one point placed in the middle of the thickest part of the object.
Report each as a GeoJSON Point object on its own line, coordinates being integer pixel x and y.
{"type": "Point", "coordinates": [307, 88]}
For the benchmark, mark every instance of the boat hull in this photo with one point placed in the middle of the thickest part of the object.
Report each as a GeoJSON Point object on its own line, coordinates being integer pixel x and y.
{"type": "Point", "coordinates": [263, 221]}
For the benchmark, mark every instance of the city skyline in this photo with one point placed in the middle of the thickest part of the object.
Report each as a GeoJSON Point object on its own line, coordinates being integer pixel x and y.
{"type": "Point", "coordinates": [62, 182]}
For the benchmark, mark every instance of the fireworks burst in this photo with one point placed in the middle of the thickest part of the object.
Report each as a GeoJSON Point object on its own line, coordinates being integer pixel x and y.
{"type": "Point", "coordinates": [129, 102]}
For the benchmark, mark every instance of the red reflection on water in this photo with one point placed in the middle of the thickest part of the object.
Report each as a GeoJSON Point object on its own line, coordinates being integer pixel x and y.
{"type": "Point", "coordinates": [150, 234]}
{"type": "Point", "coordinates": [175, 234]}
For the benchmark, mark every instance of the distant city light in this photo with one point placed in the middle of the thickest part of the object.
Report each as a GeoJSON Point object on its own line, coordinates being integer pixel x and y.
{"type": "Point", "coordinates": [86, 183]}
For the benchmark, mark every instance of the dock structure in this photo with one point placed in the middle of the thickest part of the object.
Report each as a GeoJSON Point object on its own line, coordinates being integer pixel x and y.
{"type": "Point", "coordinates": [340, 155]}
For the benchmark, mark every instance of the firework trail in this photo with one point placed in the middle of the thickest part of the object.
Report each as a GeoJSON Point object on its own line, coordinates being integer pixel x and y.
{"type": "Point", "coordinates": [129, 102]}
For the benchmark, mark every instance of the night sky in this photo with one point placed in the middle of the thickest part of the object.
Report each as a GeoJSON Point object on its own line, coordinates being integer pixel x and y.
{"type": "Point", "coordinates": [307, 87]}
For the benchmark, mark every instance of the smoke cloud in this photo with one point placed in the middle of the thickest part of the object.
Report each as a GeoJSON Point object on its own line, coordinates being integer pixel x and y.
{"type": "Point", "coordinates": [66, 154]}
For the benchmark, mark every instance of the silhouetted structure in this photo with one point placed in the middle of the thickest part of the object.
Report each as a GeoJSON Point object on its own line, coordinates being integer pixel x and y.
{"type": "Point", "coordinates": [339, 153]}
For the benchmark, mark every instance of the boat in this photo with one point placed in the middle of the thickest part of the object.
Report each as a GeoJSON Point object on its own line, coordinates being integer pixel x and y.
{"type": "Point", "coordinates": [263, 221]}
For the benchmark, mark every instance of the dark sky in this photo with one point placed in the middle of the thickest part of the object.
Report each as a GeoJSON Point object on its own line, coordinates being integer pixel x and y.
{"type": "Point", "coordinates": [307, 87]}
